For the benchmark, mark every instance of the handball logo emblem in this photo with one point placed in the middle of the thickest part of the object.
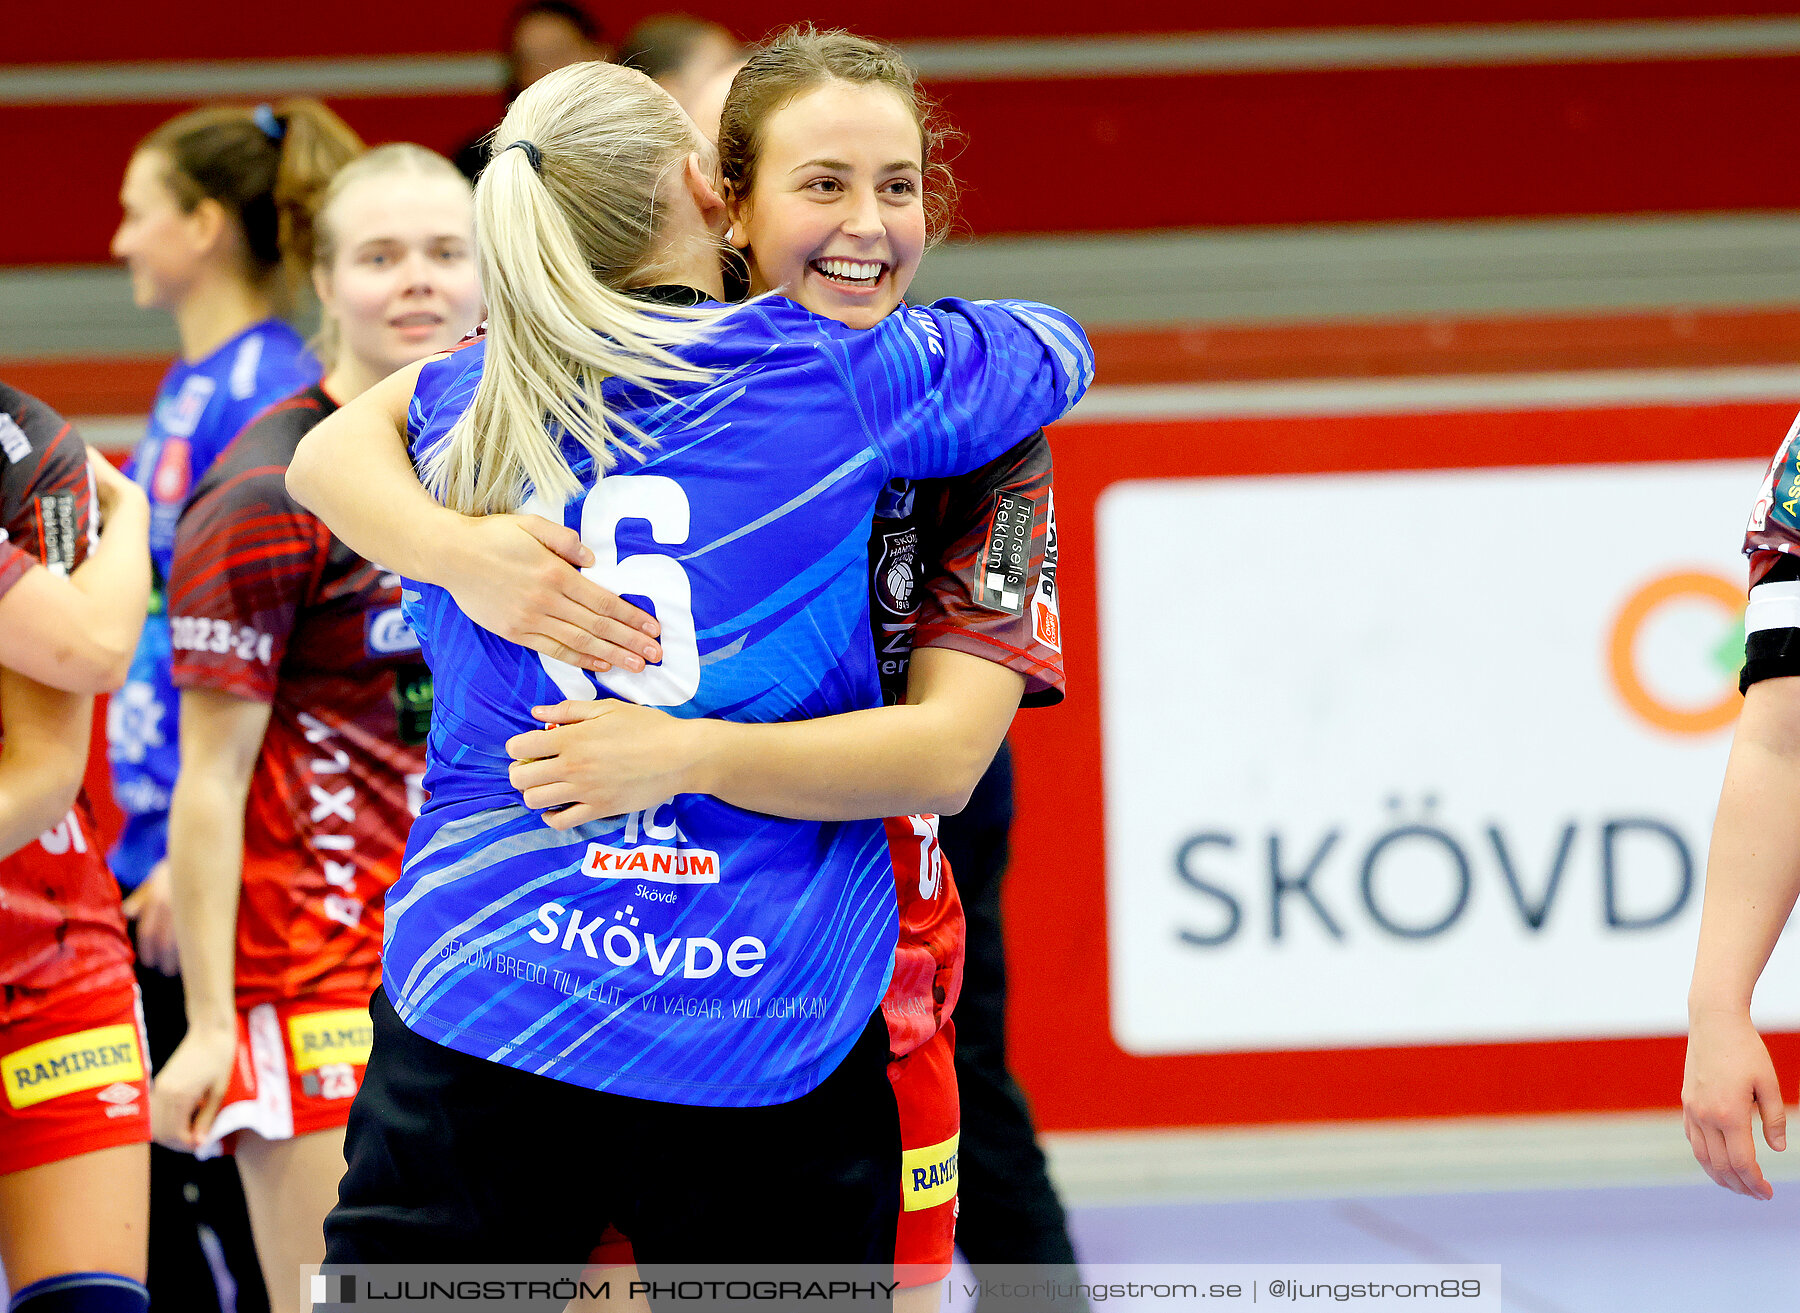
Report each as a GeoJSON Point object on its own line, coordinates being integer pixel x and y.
{"type": "Point", "coordinates": [897, 574]}
{"type": "Point", "coordinates": [1674, 651]}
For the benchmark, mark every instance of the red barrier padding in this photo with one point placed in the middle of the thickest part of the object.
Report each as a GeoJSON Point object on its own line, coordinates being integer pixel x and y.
{"type": "Point", "coordinates": [1129, 154]}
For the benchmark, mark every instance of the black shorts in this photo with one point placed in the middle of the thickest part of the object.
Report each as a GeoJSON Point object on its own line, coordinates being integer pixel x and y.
{"type": "Point", "coordinates": [454, 1159]}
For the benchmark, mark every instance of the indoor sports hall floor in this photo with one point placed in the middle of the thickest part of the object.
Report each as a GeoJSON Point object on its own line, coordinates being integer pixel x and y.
{"type": "Point", "coordinates": [1583, 1214]}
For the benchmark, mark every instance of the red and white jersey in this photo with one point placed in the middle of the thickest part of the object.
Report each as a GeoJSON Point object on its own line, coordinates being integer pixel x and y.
{"type": "Point", "coordinates": [967, 563]}
{"type": "Point", "coordinates": [265, 604]}
{"type": "Point", "coordinates": [13, 563]}
{"type": "Point", "coordinates": [61, 930]}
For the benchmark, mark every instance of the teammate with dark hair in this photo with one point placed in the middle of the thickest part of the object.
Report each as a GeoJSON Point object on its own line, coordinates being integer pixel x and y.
{"type": "Point", "coordinates": [74, 1116]}
{"type": "Point", "coordinates": [689, 58]}
{"type": "Point", "coordinates": [545, 35]}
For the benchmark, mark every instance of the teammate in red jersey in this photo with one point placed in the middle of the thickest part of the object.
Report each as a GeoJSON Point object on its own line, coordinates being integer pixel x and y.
{"type": "Point", "coordinates": [1753, 868]}
{"type": "Point", "coordinates": [74, 1120]}
{"type": "Point", "coordinates": [304, 706]}
{"type": "Point", "coordinates": [77, 633]}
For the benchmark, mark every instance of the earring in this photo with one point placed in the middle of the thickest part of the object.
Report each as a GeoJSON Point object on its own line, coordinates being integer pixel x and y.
{"type": "Point", "coordinates": [733, 236]}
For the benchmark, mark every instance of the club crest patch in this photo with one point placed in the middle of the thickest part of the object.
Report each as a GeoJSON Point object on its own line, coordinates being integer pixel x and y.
{"type": "Point", "coordinates": [898, 574]}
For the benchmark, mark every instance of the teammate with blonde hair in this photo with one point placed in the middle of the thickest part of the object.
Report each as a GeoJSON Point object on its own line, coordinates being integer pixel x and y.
{"type": "Point", "coordinates": [818, 132]}
{"type": "Point", "coordinates": [304, 707]}
{"type": "Point", "coordinates": [697, 979]}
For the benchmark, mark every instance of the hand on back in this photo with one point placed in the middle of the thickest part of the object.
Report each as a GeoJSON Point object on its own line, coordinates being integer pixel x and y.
{"type": "Point", "coordinates": [522, 583]}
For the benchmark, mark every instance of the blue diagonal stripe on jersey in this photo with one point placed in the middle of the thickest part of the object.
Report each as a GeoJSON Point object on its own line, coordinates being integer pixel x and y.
{"type": "Point", "coordinates": [788, 507]}
{"type": "Point", "coordinates": [482, 861]}
{"type": "Point", "coordinates": [447, 972]}
{"type": "Point", "coordinates": [484, 831]}
{"type": "Point", "coordinates": [1077, 361]}
{"type": "Point", "coordinates": [851, 552]}
{"type": "Point", "coordinates": [877, 904]}
{"type": "Point", "coordinates": [725, 653]}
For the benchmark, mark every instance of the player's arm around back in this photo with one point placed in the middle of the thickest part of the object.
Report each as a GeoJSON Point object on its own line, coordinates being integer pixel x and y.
{"type": "Point", "coordinates": [608, 757]}
{"type": "Point", "coordinates": [966, 380]}
{"type": "Point", "coordinates": [925, 755]}
{"type": "Point", "coordinates": [42, 758]}
{"type": "Point", "coordinates": [354, 471]}
{"type": "Point", "coordinates": [1752, 880]}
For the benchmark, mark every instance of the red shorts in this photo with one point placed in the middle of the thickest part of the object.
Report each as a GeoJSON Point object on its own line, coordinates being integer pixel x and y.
{"type": "Point", "coordinates": [77, 1079]}
{"type": "Point", "coordinates": [299, 1064]}
{"type": "Point", "coordinates": [924, 1084]}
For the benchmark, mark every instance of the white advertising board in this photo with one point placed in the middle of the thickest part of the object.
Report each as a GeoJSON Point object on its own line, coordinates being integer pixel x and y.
{"type": "Point", "coordinates": [1416, 758]}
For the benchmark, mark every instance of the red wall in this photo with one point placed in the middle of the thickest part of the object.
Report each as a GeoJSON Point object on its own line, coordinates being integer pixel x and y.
{"type": "Point", "coordinates": [1072, 154]}
{"type": "Point", "coordinates": [229, 29]}
{"type": "Point", "coordinates": [1126, 154]}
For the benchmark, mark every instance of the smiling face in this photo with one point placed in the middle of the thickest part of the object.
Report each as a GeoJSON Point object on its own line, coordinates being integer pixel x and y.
{"type": "Point", "coordinates": [164, 246]}
{"type": "Point", "coordinates": [835, 218]}
{"type": "Point", "coordinates": [401, 281]}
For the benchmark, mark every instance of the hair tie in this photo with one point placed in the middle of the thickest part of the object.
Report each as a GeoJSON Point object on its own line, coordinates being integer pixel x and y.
{"type": "Point", "coordinates": [532, 153]}
{"type": "Point", "coordinates": [272, 128]}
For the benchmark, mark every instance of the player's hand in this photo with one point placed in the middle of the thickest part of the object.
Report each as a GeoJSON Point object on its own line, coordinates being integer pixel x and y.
{"type": "Point", "coordinates": [600, 759]}
{"type": "Point", "coordinates": [1728, 1073]}
{"type": "Point", "coordinates": [517, 576]}
{"type": "Point", "coordinates": [149, 905]}
{"type": "Point", "coordinates": [111, 488]}
{"type": "Point", "coordinates": [185, 1095]}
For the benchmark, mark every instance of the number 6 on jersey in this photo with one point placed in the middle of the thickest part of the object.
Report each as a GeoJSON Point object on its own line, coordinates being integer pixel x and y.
{"type": "Point", "coordinates": [663, 505]}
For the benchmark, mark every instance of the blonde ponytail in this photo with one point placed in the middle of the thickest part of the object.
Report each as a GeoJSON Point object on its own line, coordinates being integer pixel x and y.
{"type": "Point", "coordinates": [559, 229]}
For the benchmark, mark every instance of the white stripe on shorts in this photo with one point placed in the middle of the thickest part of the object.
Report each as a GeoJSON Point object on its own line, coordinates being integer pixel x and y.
{"type": "Point", "coordinates": [1773, 606]}
{"type": "Point", "coordinates": [271, 1113]}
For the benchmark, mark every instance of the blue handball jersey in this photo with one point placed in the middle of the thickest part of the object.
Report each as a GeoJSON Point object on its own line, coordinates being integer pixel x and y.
{"type": "Point", "coordinates": [199, 409]}
{"type": "Point", "coordinates": [697, 953]}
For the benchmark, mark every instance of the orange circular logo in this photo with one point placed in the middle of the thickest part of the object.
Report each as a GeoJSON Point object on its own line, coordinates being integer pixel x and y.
{"type": "Point", "coordinates": [1685, 586]}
